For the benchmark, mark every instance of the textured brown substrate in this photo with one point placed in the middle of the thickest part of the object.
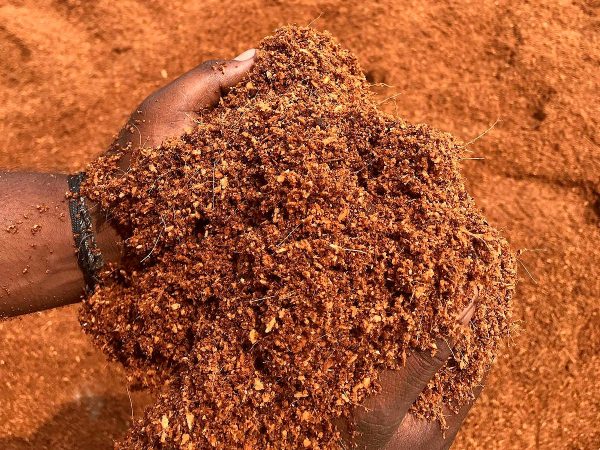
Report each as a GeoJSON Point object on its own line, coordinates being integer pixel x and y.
{"type": "Point", "coordinates": [293, 245]}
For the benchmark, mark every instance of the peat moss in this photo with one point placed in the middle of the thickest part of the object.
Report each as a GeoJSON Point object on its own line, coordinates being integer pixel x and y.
{"type": "Point", "coordinates": [294, 244]}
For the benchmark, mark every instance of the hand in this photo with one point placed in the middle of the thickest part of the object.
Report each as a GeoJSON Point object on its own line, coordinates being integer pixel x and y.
{"type": "Point", "coordinates": [38, 265]}
{"type": "Point", "coordinates": [384, 420]}
{"type": "Point", "coordinates": [167, 113]}
{"type": "Point", "coordinates": [172, 110]}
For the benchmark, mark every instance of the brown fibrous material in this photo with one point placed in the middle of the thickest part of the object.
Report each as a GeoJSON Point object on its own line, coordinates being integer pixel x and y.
{"type": "Point", "coordinates": [295, 244]}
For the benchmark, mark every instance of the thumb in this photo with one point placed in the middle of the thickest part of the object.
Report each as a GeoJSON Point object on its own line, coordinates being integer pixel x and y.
{"type": "Point", "coordinates": [171, 111]}
{"type": "Point", "coordinates": [203, 86]}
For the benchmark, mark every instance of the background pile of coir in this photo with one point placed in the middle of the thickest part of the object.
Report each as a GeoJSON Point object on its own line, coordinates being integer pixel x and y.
{"type": "Point", "coordinates": [456, 65]}
{"type": "Point", "coordinates": [294, 244]}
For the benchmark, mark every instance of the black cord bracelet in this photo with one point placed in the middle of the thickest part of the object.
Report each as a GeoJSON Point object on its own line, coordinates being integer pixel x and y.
{"type": "Point", "coordinates": [88, 254]}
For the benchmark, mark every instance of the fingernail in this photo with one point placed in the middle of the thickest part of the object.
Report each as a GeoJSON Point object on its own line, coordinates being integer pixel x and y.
{"type": "Point", "coordinates": [248, 54]}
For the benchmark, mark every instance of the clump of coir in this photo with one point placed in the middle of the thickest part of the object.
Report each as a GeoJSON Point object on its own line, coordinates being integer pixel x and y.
{"type": "Point", "coordinates": [292, 246]}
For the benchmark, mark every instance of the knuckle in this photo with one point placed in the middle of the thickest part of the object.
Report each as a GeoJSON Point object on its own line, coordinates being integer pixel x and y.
{"type": "Point", "coordinates": [420, 364]}
{"type": "Point", "coordinates": [376, 430]}
{"type": "Point", "coordinates": [424, 365]}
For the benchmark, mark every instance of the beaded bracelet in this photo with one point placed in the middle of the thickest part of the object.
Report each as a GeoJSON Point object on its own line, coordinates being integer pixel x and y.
{"type": "Point", "coordinates": [89, 257]}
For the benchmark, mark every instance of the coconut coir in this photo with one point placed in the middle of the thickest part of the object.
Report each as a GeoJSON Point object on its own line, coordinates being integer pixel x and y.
{"type": "Point", "coordinates": [292, 246]}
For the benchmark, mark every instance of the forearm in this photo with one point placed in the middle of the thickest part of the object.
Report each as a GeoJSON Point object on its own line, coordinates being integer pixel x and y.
{"type": "Point", "coordinates": [38, 259]}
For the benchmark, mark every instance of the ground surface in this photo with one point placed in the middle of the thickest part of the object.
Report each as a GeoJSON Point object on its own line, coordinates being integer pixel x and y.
{"type": "Point", "coordinates": [71, 71]}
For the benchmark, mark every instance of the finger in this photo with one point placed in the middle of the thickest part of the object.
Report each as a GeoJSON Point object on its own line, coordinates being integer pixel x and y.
{"type": "Point", "coordinates": [420, 434]}
{"type": "Point", "coordinates": [171, 111]}
{"type": "Point", "coordinates": [203, 86]}
{"type": "Point", "coordinates": [421, 366]}
{"type": "Point", "coordinates": [378, 418]}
